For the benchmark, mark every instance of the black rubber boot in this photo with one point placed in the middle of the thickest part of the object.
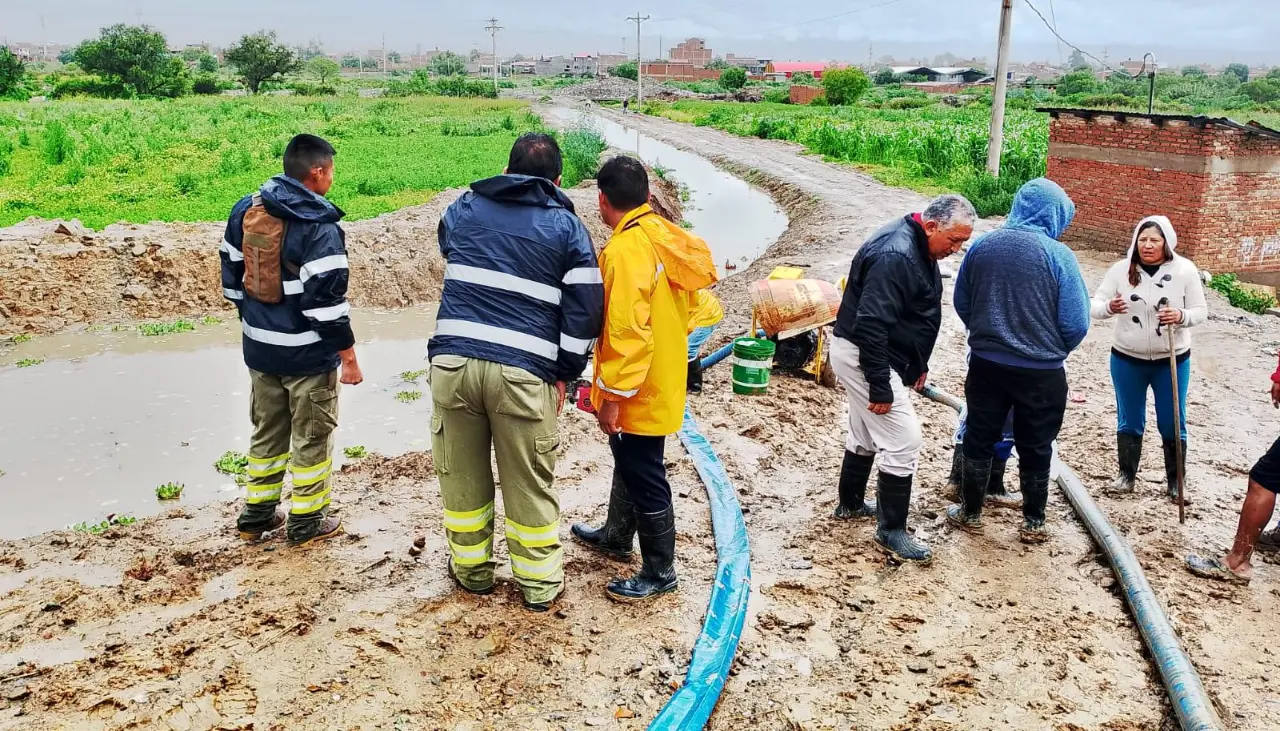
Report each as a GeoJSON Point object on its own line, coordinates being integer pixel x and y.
{"type": "Point", "coordinates": [1171, 467]}
{"type": "Point", "coordinates": [657, 573]}
{"type": "Point", "coordinates": [952, 490]}
{"type": "Point", "coordinates": [694, 381]}
{"type": "Point", "coordinates": [855, 472]}
{"type": "Point", "coordinates": [997, 495]}
{"type": "Point", "coordinates": [1035, 496]}
{"type": "Point", "coordinates": [893, 496]}
{"type": "Point", "coordinates": [1128, 455]}
{"type": "Point", "coordinates": [974, 477]}
{"type": "Point", "coordinates": [616, 537]}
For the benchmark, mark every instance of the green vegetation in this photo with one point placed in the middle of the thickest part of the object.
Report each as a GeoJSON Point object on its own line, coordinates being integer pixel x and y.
{"type": "Point", "coordinates": [259, 57]}
{"type": "Point", "coordinates": [355, 452]}
{"type": "Point", "coordinates": [28, 362]}
{"type": "Point", "coordinates": [151, 329]}
{"type": "Point", "coordinates": [170, 490]}
{"type": "Point", "coordinates": [1240, 296]}
{"type": "Point", "coordinates": [449, 64]}
{"type": "Point", "coordinates": [210, 320]}
{"type": "Point", "coordinates": [22, 338]}
{"type": "Point", "coordinates": [581, 149]}
{"type": "Point", "coordinates": [733, 78]}
{"type": "Point", "coordinates": [133, 60]}
{"type": "Point", "coordinates": [932, 149]}
{"type": "Point", "coordinates": [413, 376]}
{"type": "Point", "coordinates": [422, 83]}
{"type": "Point", "coordinates": [408, 397]}
{"type": "Point", "coordinates": [100, 528]}
{"type": "Point", "coordinates": [626, 70]}
{"type": "Point", "coordinates": [234, 464]}
{"type": "Point", "coordinates": [844, 86]}
{"type": "Point", "coordinates": [13, 77]}
{"type": "Point", "coordinates": [190, 159]}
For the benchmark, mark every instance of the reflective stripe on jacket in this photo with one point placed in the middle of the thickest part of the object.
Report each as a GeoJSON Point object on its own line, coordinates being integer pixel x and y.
{"type": "Point", "coordinates": [521, 283]}
{"type": "Point", "coordinates": [651, 269]}
{"type": "Point", "coordinates": [301, 335]}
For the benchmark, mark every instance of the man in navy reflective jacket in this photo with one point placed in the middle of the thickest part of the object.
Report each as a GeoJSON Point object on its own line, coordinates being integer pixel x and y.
{"type": "Point", "coordinates": [293, 346]}
{"type": "Point", "coordinates": [523, 303]}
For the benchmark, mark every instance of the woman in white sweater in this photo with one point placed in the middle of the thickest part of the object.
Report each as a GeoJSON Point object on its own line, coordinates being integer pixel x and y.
{"type": "Point", "coordinates": [1148, 291]}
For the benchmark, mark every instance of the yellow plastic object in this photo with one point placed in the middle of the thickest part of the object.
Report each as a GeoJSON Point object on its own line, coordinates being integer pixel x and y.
{"type": "Point", "coordinates": [843, 281]}
{"type": "Point", "coordinates": [786, 273]}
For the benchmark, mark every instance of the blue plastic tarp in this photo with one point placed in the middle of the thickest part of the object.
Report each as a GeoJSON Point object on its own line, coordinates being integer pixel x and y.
{"type": "Point", "coordinates": [713, 653]}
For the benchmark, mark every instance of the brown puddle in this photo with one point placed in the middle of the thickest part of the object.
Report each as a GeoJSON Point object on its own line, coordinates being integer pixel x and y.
{"type": "Point", "coordinates": [110, 415]}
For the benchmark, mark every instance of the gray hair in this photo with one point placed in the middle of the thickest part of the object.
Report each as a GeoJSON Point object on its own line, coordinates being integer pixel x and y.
{"type": "Point", "coordinates": [946, 210]}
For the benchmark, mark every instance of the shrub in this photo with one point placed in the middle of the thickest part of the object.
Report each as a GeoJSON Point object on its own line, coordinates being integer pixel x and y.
{"type": "Point", "coordinates": [1242, 297]}
{"type": "Point", "coordinates": [819, 101]}
{"type": "Point", "coordinates": [908, 102]}
{"type": "Point", "coordinates": [778, 95]}
{"type": "Point", "coordinates": [72, 86]}
{"type": "Point", "coordinates": [58, 145]}
{"type": "Point", "coordinates": [1105, 100]}
{"type": "Point", "coordinates": [626, 70]}
{"type": "Point", "coordinates": [302, 88]}
{"type": "Point", "coordinates": [733, 78]}
{"type": "Point", "coordinates": [803, 78]}
{"type": "Point", "coordinates": [580, 149]}
{"type": "Point", "coordinates": [844, 86]}
{"type": "Point", "coordinates": [6, 155]}
{"type": "Point", "coordinates": [206, 84]}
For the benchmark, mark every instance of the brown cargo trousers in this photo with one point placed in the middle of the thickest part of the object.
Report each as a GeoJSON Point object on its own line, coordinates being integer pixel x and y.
{"type": "Point", "coordinates": [483, 408]}
{"type": "Point", "coordinates": [294, 418]}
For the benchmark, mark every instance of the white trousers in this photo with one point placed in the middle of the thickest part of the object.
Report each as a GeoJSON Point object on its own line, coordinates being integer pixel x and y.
{"type": "Point", "coordinates": [895, 436]}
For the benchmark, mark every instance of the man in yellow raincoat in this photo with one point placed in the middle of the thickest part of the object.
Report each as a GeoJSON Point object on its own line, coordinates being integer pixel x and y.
{"type": "Point", "coordinates": [652, 270]}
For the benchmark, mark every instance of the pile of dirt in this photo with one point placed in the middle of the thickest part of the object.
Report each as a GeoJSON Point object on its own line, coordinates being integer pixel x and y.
{"type": "Point", "coordinates": [55, 274]}
{"type": "Point", "coordinates": [615, 89]}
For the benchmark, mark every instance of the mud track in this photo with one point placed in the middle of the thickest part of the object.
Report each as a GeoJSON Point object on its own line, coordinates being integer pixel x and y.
{"type": "Point", "coordinates": [172, 624]}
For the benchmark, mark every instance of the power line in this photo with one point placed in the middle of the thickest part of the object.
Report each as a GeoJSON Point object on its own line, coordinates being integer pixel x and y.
{"type": "Point", "coordinates": [493, 29]}
{"type": "Point", "coordinates": [1053, 13]}
{"type": "Point", "coordinates": [1066, 42]}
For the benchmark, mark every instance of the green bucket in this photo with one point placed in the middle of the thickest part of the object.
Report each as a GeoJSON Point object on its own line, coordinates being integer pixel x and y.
{"type": "Point", "coordinates": [752, 361]}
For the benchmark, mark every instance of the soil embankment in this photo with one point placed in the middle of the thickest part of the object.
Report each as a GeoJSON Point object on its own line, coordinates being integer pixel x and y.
{"type": "Point", "coordinates": [172, 623]}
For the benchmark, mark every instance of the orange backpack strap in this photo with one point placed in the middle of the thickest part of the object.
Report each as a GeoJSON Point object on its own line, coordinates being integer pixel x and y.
{"type": "Point", "coordinates": [263, 246]}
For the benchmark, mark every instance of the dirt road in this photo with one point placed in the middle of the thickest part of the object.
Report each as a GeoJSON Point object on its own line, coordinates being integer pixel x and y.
{"type": "Point", "coordinates": [172, 624]}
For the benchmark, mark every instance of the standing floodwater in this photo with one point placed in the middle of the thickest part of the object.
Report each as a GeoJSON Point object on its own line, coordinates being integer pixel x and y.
{"type": "Point", "coordinates": [108, 416]}
{"type": "Point", "coordinates": [738, 221]}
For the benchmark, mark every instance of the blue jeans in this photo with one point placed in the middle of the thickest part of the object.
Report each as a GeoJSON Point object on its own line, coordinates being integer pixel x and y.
{"type": "Point", "coordinates": [1004, 447]}
{"type": "Point", "coordinates": [1133, 380]}
{"type": "Point", "coordinates": [699, 338]}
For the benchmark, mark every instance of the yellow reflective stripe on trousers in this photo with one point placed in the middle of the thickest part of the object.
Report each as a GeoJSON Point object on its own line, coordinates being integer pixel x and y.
{"type": "Point", "coordinates": [305, 476]}
{"type": "Point", "coordinates": [533, 537]}
{"type": "Point", "coordinates": [527, 568]}
{"type": "Point", "coordinates": [468, 521]}
{"type": "Point", "coordinates": [265, 466]}
{"type": "Point", "coordinates": [304, 504]}
{"type": "Point", "coordinates": [264, 493]}
{"type": "Point", "coordinates": [472, 555]}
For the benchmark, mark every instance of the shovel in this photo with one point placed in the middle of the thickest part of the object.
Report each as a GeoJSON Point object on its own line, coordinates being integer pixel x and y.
{"type": "Point", "coordinates": [1177, 418]}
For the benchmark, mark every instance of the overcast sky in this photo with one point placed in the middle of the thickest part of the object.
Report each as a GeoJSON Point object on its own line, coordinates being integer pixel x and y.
{"type": "Point", "coordinates": [1178, 31]}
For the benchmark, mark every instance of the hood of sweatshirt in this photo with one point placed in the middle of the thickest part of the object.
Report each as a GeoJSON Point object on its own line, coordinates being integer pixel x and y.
{"type": "Point", "coordinates": [286, 198]}
{"type": "Point", "coordinates": [1041, 206]}
{"type": "Point", "coordinates": [1166, 228]}
{"type": "Point", "coordinates": [685, 257]}
{"type": "Point", "coordinates": [525, 190]}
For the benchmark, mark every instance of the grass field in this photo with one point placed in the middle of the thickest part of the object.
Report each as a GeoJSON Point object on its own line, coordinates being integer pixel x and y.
{"type": "Point", "coordinates": [931, 149]}
{"type": "Point", "coordinates": [191, 159]}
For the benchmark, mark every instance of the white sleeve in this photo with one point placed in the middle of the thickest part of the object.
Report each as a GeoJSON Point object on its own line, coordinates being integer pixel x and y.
{"type": "Point", "coordinates": [1108, 289]}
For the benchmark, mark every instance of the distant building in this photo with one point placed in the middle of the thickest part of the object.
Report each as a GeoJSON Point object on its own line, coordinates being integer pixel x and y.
{"type": "Point", "coordinates": [609, 61]}
{"type": "Point", "coordinates": [942, 74]}
{"type": "Point", "coordinates": [37, 51]}
{"type": "Point", "coordinates": [583, 64]}
{"type": "Point", "coordinates": [553, 66]}
{"type": "Point", "coordinates": [692, 50]}
{"type": "Point", "coordinates": [780, 70]}
{"type": "Point", "coordinates": [524, 67]}
{"type": "Point", "coordinates": [750, 64]}
{"type": "Point", "coordinates": [1134, 68]}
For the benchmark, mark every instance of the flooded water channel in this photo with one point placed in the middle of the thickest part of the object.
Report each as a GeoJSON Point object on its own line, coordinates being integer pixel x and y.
{"type": "Point", "coordinates": [107, 416]}
{"type": "Point", "coordinates": [738, 220]}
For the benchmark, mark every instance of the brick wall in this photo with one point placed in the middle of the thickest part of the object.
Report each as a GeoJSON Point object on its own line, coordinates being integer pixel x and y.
{"type": "Point", "coordinates": [805, 94]}
{"type": "Point", "coordinates": [679, 72]}
{"type": "Point", "coordinates": [1219, 185]}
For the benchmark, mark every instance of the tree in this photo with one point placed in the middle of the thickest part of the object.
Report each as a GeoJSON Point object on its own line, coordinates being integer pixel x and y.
{"type": "Point", "coordinates": [135, 56]}
{"type": "Point", "coordinates": [885, 76]}
{"type": "Point", "coordinates": [718, 64]}
{"type": "Point", "coordinates": [1274, 73]}
{"type": "Point", "coordinates": [1077, 82]}
{"type": "Point", "coordinates": [625, 70]}
{"type": "Point", "coordinates": [258, 57]}
{"type": "Point", "coordinates": [844, 86]}
{"type": "Point", "coordinates": [1238, 70]}
{"type": "Point", "coordinates": [448, 64]}
{"type": "Point", "coordinates": [474, 55]}
{"type": "Point", "coordinates": [13, 74]}
{"type": "Point", "coordinates": [207, 64]}
{"type": "Point", "coordinates": [1078, 61]}
{"type": "Point", "coordinates": [393, 57]}
{"type": "Point", "coordinates": [803, 78]}
{"type": "Point", "coordinates": [67, 55]}
{"type": "Point", "coordinates": [323, 69]}
{"type": "Point", "coordinates": [1262, 90]}
{"type": "Point", "coordinates": [1195, 71]}
{"type": "Point", "coordinates": [350, 62]}
{"type": "Point", "coordinates": [733, 78]}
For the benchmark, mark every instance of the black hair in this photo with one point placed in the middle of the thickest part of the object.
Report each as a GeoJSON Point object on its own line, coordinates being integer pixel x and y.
{"type": "Point", "coordinates": [1136, 260]}
{"type": "Point", "coordinates": [536, 154]}
{"type": "Point", "coordinates": [305, 152]}
{"type": "Point", "coordinates": [624, 182]}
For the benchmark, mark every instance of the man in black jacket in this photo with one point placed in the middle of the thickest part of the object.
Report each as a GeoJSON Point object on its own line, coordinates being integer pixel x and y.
{"type": "Point", "coordinates": [885, 332]}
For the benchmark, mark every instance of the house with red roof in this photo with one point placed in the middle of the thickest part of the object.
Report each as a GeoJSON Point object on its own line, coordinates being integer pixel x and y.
{"type": "Point", "coordinates": [786, 69]}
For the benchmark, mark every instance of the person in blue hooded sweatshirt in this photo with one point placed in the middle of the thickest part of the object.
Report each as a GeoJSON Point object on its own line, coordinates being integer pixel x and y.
{"type": "Point", "coordinates": [1024, 303]}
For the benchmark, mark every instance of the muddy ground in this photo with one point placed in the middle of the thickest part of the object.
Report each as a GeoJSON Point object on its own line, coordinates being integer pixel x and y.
{"type": "Point", "coordinates": [174, 624]}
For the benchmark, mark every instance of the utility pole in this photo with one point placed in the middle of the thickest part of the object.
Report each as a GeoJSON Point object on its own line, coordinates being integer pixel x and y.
{"type": "Point", "coordinates": [493, 29]}
{"type": "Point", "coordinates": [384, 56]}
{"type": "Point", "coordinates": [661, 57]}
{"type": "Point", "coordinates": [995, 140]}
{"type": "Point", "coordinates": [638, 19]}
